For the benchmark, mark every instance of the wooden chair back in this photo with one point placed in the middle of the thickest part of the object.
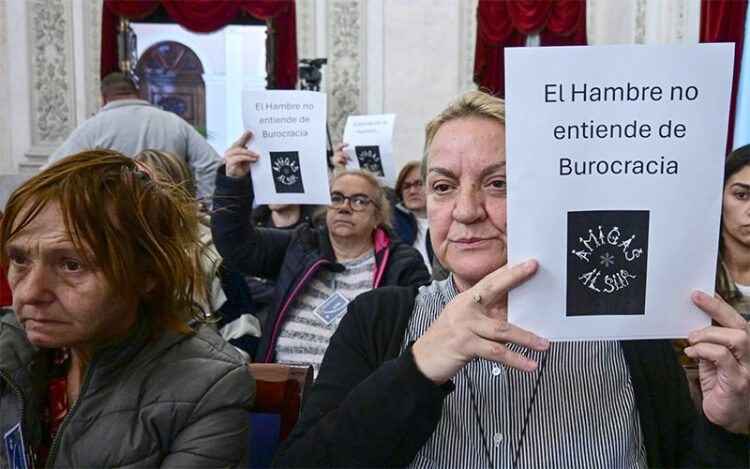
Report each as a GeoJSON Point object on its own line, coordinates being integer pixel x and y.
{"type": "Point", "coordinates": [280, 389]}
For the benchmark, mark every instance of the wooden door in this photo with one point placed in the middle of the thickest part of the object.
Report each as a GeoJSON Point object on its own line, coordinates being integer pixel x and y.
{"type": "Point", "coordinates": [170, 75]}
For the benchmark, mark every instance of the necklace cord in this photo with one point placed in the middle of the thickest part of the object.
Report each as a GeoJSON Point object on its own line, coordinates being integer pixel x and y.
{"type": "Point", "coordinates": [479, 420]}
{"type": "Point", "coordinates": [517, 453]}
{"type": "Point", "coordinates": [527, 414]}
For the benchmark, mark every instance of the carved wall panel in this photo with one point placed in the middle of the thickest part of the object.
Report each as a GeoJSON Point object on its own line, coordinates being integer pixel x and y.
{"type": "Point", "coordinates": [345, 69]}
{"type": "Point", "coordinates": [467, 42]}
{"type": "Point", "coordinates": [92, 48]}
{"type": "Point", "coordinates": [50, 44]}
{"type": "Point", "coordinates": [305, 11]}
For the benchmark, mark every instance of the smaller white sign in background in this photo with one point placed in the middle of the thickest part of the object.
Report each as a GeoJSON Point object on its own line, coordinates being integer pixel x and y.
{"type": "Point", "coordinates": [370, 140]}
{"type": "Point", "coordinates": [289, 135]}
{"type": "Point", "coordinates": [615, 159]}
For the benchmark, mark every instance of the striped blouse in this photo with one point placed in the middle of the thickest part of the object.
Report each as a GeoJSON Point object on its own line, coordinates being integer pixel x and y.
{"type": "Point", "coordinates": [305, 334]}
{"type": "Point", "coordinates": [582, 414]}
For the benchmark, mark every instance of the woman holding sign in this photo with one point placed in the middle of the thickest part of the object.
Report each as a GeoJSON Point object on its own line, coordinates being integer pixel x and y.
{"type": "Point", "coordinates": [437, 376]}
{"type": "Point", "coordinates": [317, 271]}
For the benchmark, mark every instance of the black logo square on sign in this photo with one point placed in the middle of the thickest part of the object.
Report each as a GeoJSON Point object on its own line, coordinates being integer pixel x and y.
{"type": "Point", "coordinates": [607, 263]}
{"type": "Point", "coordinates": [369, 159]}
{"type": "Point", "coordinates": [287, 175]}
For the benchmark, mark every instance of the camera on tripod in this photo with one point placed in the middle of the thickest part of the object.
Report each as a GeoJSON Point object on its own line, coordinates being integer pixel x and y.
{"type": "Point", "coordinates": [309, 73]}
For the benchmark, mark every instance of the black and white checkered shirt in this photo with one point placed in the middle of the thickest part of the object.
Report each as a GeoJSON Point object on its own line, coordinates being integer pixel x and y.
{"type": "Point", "coordinates": [584, 413]}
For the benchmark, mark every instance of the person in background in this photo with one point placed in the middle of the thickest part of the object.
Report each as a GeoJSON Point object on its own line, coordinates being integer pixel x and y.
{"type": "Point", "coordinates": [99, 366]}
{"type": "Point", "coordinates": [733, 273]}
{"type": "Point", "coordinates": [172, 170]}
{"type": "Point", "coordinates": [317, 271]}
{"type": "Point", "coordinates": [410, 213]}
{"type": "Point", "coordinates": [227, 299]}
{"type": "Point", "coordinates": [128, 124]}
{"type": "Point", "coordinates": [437, 376]}
{"type": "Point", "coordinates": [285, 216]}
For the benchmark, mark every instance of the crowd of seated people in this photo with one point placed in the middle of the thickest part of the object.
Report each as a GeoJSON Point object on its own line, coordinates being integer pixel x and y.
{"type": "Point", "coordinates": [132, 321]}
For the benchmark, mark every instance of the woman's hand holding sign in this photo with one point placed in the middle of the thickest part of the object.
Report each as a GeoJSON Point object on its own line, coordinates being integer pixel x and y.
{"type": "Point", "coordinates": [475, 324]}
{"type": "Point", "coordinates": [724, 355]}
{"type": "Point", "coordinates": [238, 158]}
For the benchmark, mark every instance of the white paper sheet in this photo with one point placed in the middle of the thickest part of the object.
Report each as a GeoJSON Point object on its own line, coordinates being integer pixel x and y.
{"type": "Point", "coordinates": [370, 140]}
{"type": "Point", "coordinates": [289, 135]}
{"type": "Point", "coordinates": [654, 236]}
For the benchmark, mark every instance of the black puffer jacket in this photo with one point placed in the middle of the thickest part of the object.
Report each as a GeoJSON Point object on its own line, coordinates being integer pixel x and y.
{"type": "Point", "coordinates": [291, 257]}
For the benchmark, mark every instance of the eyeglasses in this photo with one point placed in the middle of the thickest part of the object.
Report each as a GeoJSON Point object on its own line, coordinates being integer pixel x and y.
{"type": "Point", "coordinates": [357, 202]}
{"type": "Point", "coordinates": [418, 184]}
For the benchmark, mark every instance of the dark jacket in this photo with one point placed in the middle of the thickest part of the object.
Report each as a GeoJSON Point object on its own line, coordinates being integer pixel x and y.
{"type": "Point", "coordinates": [173, 400]}
{"type": "Point", "coordinates": [262, 216]}
{"type": "Point", "coordinates": [291, 257]}
{"type": "Point", "coordinates": [371, 406]}
{"type": "Point", "coordinates": [405, 224]}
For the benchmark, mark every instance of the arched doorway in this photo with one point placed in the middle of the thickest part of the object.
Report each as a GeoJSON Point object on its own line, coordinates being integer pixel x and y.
{"type": "Point", "coordinates": [171, 76]}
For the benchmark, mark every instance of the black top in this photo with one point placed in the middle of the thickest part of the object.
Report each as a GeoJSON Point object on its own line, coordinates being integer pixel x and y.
{"type": "Point", "coordinates": [371, 406]}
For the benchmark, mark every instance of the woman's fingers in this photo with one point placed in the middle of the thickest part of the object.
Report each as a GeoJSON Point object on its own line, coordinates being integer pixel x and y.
{"type": "Point", "coordinates": [500, 353]}
{"type": "Point", "coordinates": [735, 340]}
{"type": "Point", "coordinates": [719, 310]}
{"type": "Point", "coordinates": [500, 331]}
{"type": "Point", "coordinates": [238, 157]}
{"type": "Point", "coordinates": [495, 286]}
{"type": "Point", "coordinates": [243, 140]}
{"type": "Point", "coordinates": [238, 163]}
{"type": "Point", "coordinates": [341, 146]}
{"type": "Point", "coordinates": [467, 329]}
{"type": "Point", "coordinates": [717, 354]}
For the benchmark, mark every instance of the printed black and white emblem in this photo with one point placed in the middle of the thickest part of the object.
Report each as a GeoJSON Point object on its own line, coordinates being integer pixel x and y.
{"type": "Point", "coordinates": [607, 262]}
{"type": "Point", "coordinates": [369, 159]}
{"type": "Point", "coordinates": [287, 175]}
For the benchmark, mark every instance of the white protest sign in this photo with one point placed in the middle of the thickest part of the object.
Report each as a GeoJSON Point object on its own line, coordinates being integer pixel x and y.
{"type": "Point", "coordinates": [615, 158]}
{"type": "Point", "coordinates": [289, 135]}
{"type": "Point", "coordinates": [370, 140]}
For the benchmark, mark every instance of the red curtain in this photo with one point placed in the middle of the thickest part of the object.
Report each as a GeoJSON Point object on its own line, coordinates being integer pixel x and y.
{"type": "Point", "coordinates": [204, 16]}
{"type": "Point", "coordinates": [724, 21]}
{"type": "Point", "coordinates": [502, 24]}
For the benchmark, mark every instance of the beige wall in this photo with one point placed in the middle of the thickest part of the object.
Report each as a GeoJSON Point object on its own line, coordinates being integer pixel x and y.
{"type": "Point", "coordinates": [420, 68]}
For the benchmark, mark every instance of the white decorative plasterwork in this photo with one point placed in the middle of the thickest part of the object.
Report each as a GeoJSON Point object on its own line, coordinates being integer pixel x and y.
{"type": "Point", "coordinates": [467, 44]}
{"type": "Point", "coordinates": [52, 108]}
{"type": "Point", "coordinates": [93, 47]}
{"type": "Point", "coordinates": [640, 22]}
{"type": "Point", "coordinates": [305, 18]}
{"type": "Point", "coordinates": [345, 69]}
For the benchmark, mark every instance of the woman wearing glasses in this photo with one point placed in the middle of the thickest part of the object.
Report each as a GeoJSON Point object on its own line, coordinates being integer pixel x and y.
{"type": "Point", "coordinates": [410, 213]}
{"type": "Point", "coordinates": [317, 270]}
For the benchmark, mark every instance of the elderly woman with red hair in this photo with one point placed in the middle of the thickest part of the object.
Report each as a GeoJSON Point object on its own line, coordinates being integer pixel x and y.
{"type": "Point", "coordinates": [101, 364]}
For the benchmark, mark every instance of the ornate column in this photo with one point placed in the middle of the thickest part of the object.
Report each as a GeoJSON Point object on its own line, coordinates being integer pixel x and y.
{"type": "Point", "coordinates": [345, 70]}
{"type": "Point", "coordinates": [63, 40]}
{"type": "Point", "coordinates": [51, 77]}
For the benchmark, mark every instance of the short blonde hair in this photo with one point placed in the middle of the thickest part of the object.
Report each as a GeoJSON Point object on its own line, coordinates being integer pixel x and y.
{"type": "Point", "coordinates": [170, 165]}
{"type": "Point", "coordinates": [470, 104]}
